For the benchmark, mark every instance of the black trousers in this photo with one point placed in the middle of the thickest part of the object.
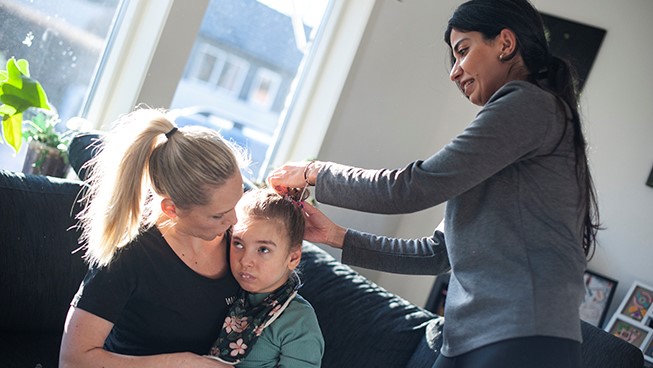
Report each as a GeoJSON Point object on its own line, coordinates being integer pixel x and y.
{"type": "Point", "coordinates": [526, 352]}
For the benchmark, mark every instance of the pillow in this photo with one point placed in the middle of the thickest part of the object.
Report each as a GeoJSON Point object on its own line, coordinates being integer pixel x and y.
{"type": "Point", "coordinates": [363, 324]}
{"type": "Point", "coordinates": [81, 149]}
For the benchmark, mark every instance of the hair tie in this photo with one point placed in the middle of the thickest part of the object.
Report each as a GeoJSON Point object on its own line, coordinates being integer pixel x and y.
{"type": "Point", "coordinates": [171, 132]}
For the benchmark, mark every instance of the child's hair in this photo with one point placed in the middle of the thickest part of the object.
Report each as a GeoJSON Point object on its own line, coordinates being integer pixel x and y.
{"type": "Point", "coordinates": [145, 156]}
{"type": "Point", "coordinates": [269, 205]}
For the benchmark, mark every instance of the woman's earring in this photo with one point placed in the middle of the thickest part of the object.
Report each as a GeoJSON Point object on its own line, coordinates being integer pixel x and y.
{"type": "Point", "coordinates": [501, 57]}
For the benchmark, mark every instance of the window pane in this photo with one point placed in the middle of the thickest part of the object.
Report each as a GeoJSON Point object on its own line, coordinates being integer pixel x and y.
{"type": "Point", "coordinates": [64, 42]}
{"type": "Point", "coordinates": [264, 44]}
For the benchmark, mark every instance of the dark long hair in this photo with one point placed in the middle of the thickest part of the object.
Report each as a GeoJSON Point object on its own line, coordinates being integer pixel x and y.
{"type": "Point", "coordinates": [548, 72]}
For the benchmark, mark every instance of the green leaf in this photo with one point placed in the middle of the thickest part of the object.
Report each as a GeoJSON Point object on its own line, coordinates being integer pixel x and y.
{"type": "Point", "coordinates": [18, 92]}
{"type": "Point", "coordinates": [30, 95]}
{"type": "Point", "coordinates": [23, 66]}
{"type": "Point", "coordinates": [11, 131]}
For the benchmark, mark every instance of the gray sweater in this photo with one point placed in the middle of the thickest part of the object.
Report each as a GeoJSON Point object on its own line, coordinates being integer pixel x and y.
{"type": "Point", "coordinates": [513, 221]}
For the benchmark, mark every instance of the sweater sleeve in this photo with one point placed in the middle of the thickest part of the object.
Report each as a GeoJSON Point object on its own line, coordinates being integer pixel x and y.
{"type": "Point", "coordinates": [425, 256]}
{"type": "Point", "coordinates": [514, 125]}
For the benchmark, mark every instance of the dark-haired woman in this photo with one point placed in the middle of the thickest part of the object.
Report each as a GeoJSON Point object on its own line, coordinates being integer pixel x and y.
{"type": "Point", "coordinates": [521, 215]}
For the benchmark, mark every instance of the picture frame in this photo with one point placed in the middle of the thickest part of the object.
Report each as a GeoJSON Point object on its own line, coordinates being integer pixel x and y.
{"type": "Point", "coordinates": [599, 292]}
{"type": "Point", "coordinates": [630, 331]}
{"type": "Point", "coordinates": [575, 42]}
{"type": "Point", "coordinates": [638, 302]}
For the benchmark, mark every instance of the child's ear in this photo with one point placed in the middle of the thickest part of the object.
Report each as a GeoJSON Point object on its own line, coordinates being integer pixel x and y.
{"type": "Point", "coordinates": [295, 258]}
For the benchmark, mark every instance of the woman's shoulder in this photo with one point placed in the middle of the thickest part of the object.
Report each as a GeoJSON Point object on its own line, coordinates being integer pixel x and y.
{"type": "Point", "coordinates": [147, 242]}
{"type": "Point", "coordinates": [519, 90]}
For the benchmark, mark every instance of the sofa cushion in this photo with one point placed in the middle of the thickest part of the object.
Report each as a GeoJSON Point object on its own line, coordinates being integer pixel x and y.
{"type": "Point", "coordinates": [363, 324]}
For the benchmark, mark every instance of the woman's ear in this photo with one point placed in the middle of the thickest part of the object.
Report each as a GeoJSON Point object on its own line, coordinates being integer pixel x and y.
{"type": "Point", "coordinates": [168, 207]}
{"type": "Point", "coordinates": [295, 258]}
{"type": "Point", "coordinates": [506, 42]}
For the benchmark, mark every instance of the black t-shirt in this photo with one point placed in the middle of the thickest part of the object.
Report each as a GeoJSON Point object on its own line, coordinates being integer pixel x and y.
{"type": "Point", "coordinates": [155, 301]}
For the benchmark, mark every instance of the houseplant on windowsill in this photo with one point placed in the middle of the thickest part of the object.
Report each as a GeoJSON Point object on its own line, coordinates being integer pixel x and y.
{"type": "Point", "coordinates": [27, 115]}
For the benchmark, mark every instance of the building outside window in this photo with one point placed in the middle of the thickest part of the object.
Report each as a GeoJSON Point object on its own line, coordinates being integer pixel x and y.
{"type": "Point", "coordinates": [264, 89]}
{"type": "Point", "coordinates": [247, 55]}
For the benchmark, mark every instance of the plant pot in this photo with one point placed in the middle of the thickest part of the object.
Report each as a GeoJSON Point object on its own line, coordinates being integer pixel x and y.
{"type": "Point", "coordinates": [43, 160]}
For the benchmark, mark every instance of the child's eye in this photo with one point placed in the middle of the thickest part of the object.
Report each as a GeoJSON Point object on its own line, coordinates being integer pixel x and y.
{"type": "Point", "coordinates": [264, 250]}
{"type": "Point", "coordinates": [237, 244]}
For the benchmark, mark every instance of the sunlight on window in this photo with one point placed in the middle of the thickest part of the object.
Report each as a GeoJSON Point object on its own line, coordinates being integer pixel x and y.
{"type": "Point", "coordinates": [63, 41]}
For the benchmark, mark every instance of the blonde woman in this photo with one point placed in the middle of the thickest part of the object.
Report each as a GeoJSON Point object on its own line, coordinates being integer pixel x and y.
{"type": "Point", "coordinates": [156, 229]}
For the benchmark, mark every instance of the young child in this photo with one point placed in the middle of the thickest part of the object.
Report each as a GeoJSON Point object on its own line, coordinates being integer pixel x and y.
{"type": "Point", "coordinates": [266, 248]}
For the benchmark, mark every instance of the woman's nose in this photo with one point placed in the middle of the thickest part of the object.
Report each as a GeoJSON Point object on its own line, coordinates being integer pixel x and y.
{"type": "Point", "coordinates": [231, 218]}
{"type": "Point", "coordinates": [456, 72]}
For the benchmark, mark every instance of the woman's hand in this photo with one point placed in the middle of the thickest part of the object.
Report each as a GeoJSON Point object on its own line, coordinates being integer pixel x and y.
{"type": "Point", "coordinates": [293, 175]}
{"type": "Point", "coordinates": [320, 228]}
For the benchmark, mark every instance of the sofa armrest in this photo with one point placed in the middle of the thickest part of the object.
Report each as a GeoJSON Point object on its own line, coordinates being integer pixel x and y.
{"type": "Point", "coordinates": [39, 271]}
{"type": "Point", "coordinates": [603, 350]}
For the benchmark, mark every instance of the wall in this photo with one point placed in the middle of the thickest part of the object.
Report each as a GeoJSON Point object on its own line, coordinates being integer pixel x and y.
{"type": "Point", "coordinates": [398, 105]}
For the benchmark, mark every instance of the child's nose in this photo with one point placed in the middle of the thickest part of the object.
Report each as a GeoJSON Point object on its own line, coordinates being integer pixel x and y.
{"type": "Point", "coordinates": [247, 259]}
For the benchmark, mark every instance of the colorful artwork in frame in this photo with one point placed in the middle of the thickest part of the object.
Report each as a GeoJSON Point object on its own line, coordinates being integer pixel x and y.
{"type": "Point", "coordinates": [629, 332]}
{"type": "Point", "coordinates": [599, 291]}
{"type": "Point", "coordinates": [633, 320]}
{"type": "Point", "coordinates": [639, 302]}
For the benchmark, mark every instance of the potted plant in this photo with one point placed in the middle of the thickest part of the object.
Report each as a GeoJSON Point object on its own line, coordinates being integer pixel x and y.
{"type": "Point", "coordinates": [27, 115]}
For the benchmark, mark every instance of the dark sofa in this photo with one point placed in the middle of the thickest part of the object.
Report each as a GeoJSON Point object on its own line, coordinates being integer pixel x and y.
{"type": "Point", "coordinates": [363, 325]}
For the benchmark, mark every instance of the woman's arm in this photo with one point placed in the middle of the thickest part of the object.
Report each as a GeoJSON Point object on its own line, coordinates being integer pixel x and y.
{"type": "Point", "coordinates": [83, 341]}
{"type": "Point", "coordinates": [423, 256]}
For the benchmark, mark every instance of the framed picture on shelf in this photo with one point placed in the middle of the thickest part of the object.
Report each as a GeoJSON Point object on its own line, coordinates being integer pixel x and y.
{"type": "Point", "coordinates": [638, 302]}
{"type": "Point", "coordinates": [629, 331]}
{"type": "Point", "coordinates": [599, 291]}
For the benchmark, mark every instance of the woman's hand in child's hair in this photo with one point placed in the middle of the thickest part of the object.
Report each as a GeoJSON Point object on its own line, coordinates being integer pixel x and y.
{"type": "Point", "coordinates": [320, 228]}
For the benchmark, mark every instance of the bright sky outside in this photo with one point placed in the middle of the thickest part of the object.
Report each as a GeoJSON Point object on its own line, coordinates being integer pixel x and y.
{"type": "Point", "coordinates": [310, 10]}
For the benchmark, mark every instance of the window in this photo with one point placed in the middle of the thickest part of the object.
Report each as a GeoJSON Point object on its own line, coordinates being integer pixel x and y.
{"type": "Point", "coordinates": [150, 43]}
{"type": "Point", "coordinates": [246, 58]}
{"type": "Point", "coordinates": [216, 67]}
{"type": "Point", "coordinates": [64, 41]}
{"type": "Point", "coordinates": [264, 89]}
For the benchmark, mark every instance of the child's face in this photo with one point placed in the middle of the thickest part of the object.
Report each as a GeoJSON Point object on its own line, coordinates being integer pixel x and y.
{"type": "Point", "coordinates": [260, 257]}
